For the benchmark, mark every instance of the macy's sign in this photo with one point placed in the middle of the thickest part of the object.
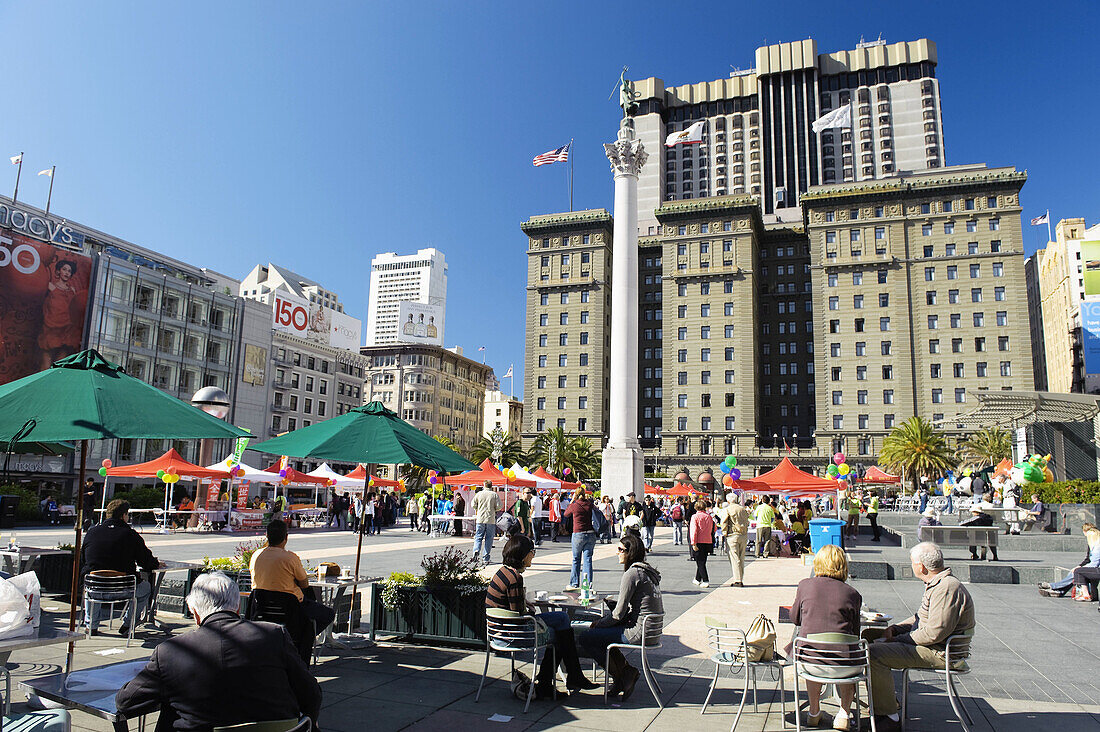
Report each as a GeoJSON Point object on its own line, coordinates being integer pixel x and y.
{"type": "Point", "coordinates": [40, 227]}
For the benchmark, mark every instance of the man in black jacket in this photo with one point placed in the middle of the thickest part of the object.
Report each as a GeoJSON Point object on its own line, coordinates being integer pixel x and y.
{"type": "Point", "coordinates": [227, 671]}
{"type": "Point", "coordinates": [115, 546]}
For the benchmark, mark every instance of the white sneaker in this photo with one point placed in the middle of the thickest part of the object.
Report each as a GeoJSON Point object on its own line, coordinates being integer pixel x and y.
{"type": "Point", "coordinates": [695, 582]}
{"type": "Point", "coordinates": [704, 584]}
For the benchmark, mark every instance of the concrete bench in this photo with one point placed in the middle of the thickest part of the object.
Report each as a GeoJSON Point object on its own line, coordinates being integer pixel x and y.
{"type": "Point", "coordinates": [961, 535]}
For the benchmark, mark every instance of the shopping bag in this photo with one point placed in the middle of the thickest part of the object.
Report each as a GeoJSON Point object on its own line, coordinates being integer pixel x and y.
{"type": "Point", "coordinates": [15, 615]}
{"type": "Point", "coordinates": [28, 584]}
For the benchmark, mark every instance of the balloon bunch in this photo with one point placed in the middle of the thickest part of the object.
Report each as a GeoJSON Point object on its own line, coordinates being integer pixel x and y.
{"type": "Point", "coordinates": [567, 471]}
{"type": "Point", "coordinates": [839, 470]}
{"type": "Point", "coordinates": [433, 477]}
{"type": "Point", "coordinates": [103, 467]}
{"type": "Point", "coordinates": [167, 477]}
{"type": "Point", "coordinates": [730, 471]}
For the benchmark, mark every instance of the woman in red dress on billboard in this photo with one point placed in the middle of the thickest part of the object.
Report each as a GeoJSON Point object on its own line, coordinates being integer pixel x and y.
{"type": "Point", "coordinates": [59, 336]}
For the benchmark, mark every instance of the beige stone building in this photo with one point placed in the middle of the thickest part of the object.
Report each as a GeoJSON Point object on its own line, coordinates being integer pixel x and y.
{"type": "Point", "coordinates": [439, 391]}
{"type": "Point", "coordinates": [568, 327]}
{"type": "Point", "coordinates": [502, 412]}
{"type": "Point", "coordinates": [892, 297]}
{"type": "Point", "coordinates": [919, 285]}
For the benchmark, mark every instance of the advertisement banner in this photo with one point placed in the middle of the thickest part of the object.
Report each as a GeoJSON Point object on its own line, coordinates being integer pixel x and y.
{"type": "Point", "coordinates": [43, 301]}
{"type": "Point", "coordinates": [420, 323]}
{"type": "Point", "coordinates": [1090, 331]}
{"type": "Point", "coordinates": [255, 365]}
{"type": "Point", "coordinates": [1090, 255]}
{"type": "Point", "coordinates": [212, 487]}
{"type": "Point", "coordinates": [242, 494]}
{"type": "Point", "coordinates": [297, 316]}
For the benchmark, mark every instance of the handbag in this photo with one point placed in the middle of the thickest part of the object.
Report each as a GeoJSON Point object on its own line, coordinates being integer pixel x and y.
{"type": "Point", "coordinates": [760, 639]}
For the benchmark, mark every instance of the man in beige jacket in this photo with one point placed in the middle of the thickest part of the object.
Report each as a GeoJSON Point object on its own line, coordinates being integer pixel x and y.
{"type": "Point", "coordinates": [946, 609]}
{"type": "Point", "coordinates": [735, 531]}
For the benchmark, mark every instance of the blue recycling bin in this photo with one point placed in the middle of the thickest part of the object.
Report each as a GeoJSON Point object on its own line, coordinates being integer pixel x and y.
{"type": "Point", "coordinates": [825, 531]}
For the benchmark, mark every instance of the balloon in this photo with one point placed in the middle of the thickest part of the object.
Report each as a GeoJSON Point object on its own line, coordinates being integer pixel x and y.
{"type": "Point", "coordinates": [160, 475]}
{"type": "Point", "coordinates": [843, 469]}
{"type": "Point", "coordinates": [730, 461]}
{"type": "Point", "coordinates": [103, 472]}
{"type": "Point", "coordinates": [832, 470]}
{"type": "Point", "coordinates": [431, 480]}
{"type": "Point", "coordinates": [838, 458]}
{"type": "Point", "coordinates": [728, 480]}
{"type": "Point", "coordinates": [282, 473]}
{"type": "Point", "coordinates": [370, 482]}
{"type": "Point", "coordinates": [106, 463]}
{"type": "Point", "coordinates": [735, 473]}
{"type": "Point", "coordinates": [567, 471]}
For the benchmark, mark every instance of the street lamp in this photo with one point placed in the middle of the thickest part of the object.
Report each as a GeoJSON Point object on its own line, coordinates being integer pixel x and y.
{"type": "Point", "coordinates": [215, 402]}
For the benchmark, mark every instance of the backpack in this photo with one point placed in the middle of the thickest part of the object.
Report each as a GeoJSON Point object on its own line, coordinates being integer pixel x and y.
{"type": "Point", "coordinates": [599, 521]}
{"type": "Point", "coordinates": [677, 512]}
{"type": "Point", "coordinates": [761, 639]}
{"type": "Point", "coordinates": [508, 524]}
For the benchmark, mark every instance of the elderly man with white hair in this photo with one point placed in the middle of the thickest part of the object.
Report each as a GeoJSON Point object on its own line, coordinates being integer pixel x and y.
{"type": "Point", "coordinates": [735, 530]}
{"type": "Point", "coordinates": [946, 609]}
{"type": "Point", "coordinates": [227, 671]}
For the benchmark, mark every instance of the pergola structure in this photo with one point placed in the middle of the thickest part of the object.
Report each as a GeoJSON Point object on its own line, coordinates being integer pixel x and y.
{"type": "Point", "coordinates": [1015, 409]}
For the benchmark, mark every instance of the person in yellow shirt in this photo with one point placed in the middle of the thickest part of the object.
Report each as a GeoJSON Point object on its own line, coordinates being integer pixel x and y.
{"type": "Point", "coordinates": [275, 569]}
{"type": "Point", "coordinates": [765, 517]}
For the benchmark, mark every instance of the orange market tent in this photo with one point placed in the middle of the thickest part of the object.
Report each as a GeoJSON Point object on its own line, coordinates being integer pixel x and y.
{"type": "Point", "coordinates": [360, 475]}
{"type": "Point", "coordinates": [565, 485]}
{"type": "Point", "coordinates": [169, 462]}
{"type": "Point", "coordinates": [488, 472]}
{"type": "Point", "coordinates": [655, 490]}
{"type": "Point", "coordinates": [683, 489]}
{"type": "Point", "coordinates": [875, 474]}
{"type": "Point", "coordinates": [787, 478]}
{"type": "Point", "coordinates": [295, 477]}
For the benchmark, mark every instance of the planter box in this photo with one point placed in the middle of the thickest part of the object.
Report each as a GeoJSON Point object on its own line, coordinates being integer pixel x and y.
{"type": "Point", "coordinates": [441, 616]}
{"type": "Point", "coordinates": [55, 573]}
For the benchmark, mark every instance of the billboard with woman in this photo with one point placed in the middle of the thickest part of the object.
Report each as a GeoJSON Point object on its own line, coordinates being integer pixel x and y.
{"type": "Point", "coordinates": [43, 302]}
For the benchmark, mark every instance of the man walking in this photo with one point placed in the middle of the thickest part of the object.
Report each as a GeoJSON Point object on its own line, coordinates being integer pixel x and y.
{"type": "Point", "coordinates": [872, 516]}
{"type": "Point", "coordinates": [946, 609]}
{"type": "Point", "coordinates": [583, 539]}
{"type": "Point", "coordinates": [486, 504]}
{"type": "Point", "coordinates": [765, 517]}
{"type": "Point", "coordinates": [650, 514]}
{"type": "Point", "coordinates": [412, 509]}
{"type": "Point", "coordinates": [537, 517]}
{"type": "Point", "coordinates": [735, 529]}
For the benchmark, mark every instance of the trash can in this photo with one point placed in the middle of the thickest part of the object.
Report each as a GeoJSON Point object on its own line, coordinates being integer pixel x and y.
{"type": "Point", "coordinates": [8, 504]}
{"type": "Point", "coordinates": [825, 531]}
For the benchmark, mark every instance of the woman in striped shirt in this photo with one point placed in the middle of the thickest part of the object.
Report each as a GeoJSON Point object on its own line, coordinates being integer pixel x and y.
{"type": "Point", "coordinates": [506, 592]}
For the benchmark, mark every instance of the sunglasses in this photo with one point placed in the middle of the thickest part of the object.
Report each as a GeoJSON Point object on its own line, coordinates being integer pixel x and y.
{"type": "Point", "coordinates": [621, 549]}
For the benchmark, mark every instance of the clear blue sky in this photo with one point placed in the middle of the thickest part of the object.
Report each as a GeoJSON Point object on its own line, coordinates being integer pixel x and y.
{"type": "Point", "coordinates": [315, 135]}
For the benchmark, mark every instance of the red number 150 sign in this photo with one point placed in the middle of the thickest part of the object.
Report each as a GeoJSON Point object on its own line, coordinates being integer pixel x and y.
{"type": "Point", "coordinates": [290, 315]}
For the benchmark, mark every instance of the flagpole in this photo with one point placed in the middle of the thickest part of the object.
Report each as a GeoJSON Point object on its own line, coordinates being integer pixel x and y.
{"type": "Point", "coordinates": [570, 175]}
{"type": "Point", "coordinates": [53, 169]}
{"type": "Point", "coordinates": [19, 172]}
{"type": "Point", "coordinates": [1049, 237]}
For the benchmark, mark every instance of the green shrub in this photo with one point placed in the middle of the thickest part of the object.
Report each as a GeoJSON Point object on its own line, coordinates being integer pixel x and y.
{"type": "Point", "coordinates": [1067, 491]}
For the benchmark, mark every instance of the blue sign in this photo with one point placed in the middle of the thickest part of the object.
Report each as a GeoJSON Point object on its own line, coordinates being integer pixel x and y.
{"type": "Point", "coordinates": [1090, 328]}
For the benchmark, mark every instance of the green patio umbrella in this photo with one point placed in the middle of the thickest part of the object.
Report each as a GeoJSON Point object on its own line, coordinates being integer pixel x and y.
{"type": "Point", "coordinates": [367, 434]}
{"type": "Point", "coordinates": [85, 397]}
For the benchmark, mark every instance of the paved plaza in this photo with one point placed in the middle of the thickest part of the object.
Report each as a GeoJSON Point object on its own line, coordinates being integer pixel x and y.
{"type": "Point", "coordinates": [1034, 659]}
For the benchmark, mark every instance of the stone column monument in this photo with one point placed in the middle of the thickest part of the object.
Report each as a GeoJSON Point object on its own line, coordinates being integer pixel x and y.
{"type": "Point", "coordinates": [623, 470]}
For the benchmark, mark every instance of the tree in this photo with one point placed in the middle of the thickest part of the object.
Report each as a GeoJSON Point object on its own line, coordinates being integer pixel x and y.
{"type": "Point", "coordinates": [557, 450]}
{"type": "Point", "coordinates": [915, 449]}
{"type": "Point", "coordinates": [510, 449]}
{"type": "Point", "coordinates": [417, 476]}
{"type": "Point", "coordinates": [987, 446]}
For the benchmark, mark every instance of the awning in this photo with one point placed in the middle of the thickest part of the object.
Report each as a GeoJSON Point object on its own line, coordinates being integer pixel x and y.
{"type": "Point", "coordinates": [787, 478]}
{"type": "Point", "coordinates": [542, 484]}
{"type": "Point", "coordinates": [875, 474]}
{"type": "Point", "coordinates": [294, 477]}
{"type": "Point", "coordinates": [487, 472]}
{"type": "Point", "coordinates": [563, 485]}
{"type": "Point", "coordinates": [169, 462]}
{"type": "Point", "coordinates": [1013, 409]}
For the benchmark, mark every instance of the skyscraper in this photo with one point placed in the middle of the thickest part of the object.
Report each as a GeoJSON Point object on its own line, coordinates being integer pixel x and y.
{"type": "Point", "coordinates": [758, 138]}
{"type": "Point", "coordinates": [396, 278]}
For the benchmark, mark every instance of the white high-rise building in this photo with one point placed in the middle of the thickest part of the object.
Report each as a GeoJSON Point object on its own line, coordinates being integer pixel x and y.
{"type": "Point", "coordinates": [396, 278]}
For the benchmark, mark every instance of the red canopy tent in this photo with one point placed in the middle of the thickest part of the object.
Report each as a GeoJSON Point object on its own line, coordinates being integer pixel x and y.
{"type": "Point", "coordinates": [655, 490]}
{"type": "Point", "coordinates": [787, 478]}
{"type": "Point", "coordinates": [683, 489]}
{"type": "Point", "coordinates": [169, 462]}
{"type": "Point", "coordinates": [360, 474]}
{"type": "Point", "coordinates": [295, 476]}
{"type": "Point", "coordinates": [488, 472]}
{"type": "Point", "coordinates": [875, 474]}
{"type": "Point", "coordinates": [564, 485]}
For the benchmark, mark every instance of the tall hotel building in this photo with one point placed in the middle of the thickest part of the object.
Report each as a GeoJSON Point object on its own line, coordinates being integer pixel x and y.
{"type": "Point", "coordinates": [758, 138]}
{"type": "Point", "coordinates": [397, 278]}
{"type": "Point", "coordinates": [797, 291]}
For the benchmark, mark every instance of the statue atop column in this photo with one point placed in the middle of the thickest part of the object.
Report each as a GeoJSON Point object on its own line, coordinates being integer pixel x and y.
{"type": "Point", "coordinates": [627, 95]}
{"type": "Point", "coordinates": [627, 154]}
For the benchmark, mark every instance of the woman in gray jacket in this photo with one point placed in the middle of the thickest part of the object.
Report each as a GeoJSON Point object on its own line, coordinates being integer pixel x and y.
{"type": "Point", "coordinates": [639, 596]}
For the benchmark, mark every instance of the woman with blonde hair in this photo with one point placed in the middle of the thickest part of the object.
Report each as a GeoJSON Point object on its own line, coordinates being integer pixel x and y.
{"type": "Point", "coordinates": [826, 603]}
{"type": "Point", "coordinates": [1087, 572]}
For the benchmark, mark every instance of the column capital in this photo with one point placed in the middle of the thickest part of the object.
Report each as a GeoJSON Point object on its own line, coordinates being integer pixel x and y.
{"type": "Point", "coordinates": [627, 154]}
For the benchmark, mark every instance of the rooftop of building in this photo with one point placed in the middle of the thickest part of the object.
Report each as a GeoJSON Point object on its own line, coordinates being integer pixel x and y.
{"type": "Point", "coordinates": [586, 218]}
{"type": "Point", "coordinates": [905, 181]}
{"type": "Point", "coordinates": [455, 352]}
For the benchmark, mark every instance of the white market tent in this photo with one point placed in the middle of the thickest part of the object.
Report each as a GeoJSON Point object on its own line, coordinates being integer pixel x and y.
{"type": "Point", "coordinates": [540, 483]}
{"type": "Point", "coordinates": [247, 472]}
{"type": "Point", "coordinates": [342, 481]}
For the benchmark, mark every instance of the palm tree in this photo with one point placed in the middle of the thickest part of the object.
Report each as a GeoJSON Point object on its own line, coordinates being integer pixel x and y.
{"type": "Point", "coordinates": [511, 451]}
{"type": "Point", "coordinates": [557, 450]}
{"type": "Point", "coordinates": [917, 450]}
{"type": "Point", "coordinates": [987, 446]}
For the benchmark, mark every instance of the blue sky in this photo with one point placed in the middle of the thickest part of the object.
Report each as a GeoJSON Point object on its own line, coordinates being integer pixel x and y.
{"type": "Point", "coordinates": [317, 134]}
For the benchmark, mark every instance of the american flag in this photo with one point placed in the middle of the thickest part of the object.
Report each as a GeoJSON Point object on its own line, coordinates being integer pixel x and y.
{"type": "Point", "coordinates": [560, 155]}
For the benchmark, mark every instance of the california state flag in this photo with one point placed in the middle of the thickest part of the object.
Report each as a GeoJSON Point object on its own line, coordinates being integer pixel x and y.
{"type": "Point", "coordinates": [692, 135]}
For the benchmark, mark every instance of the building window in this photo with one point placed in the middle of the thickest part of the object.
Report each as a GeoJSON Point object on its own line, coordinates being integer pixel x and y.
{"type": "Point", "coordinates": [960, 396]}
{"type": "Point", "coordinates": [976, 294]}
{"type": "Point", "coordinates": [980, 368]}
{"type": "Point", "coordinates": [937, 396]}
